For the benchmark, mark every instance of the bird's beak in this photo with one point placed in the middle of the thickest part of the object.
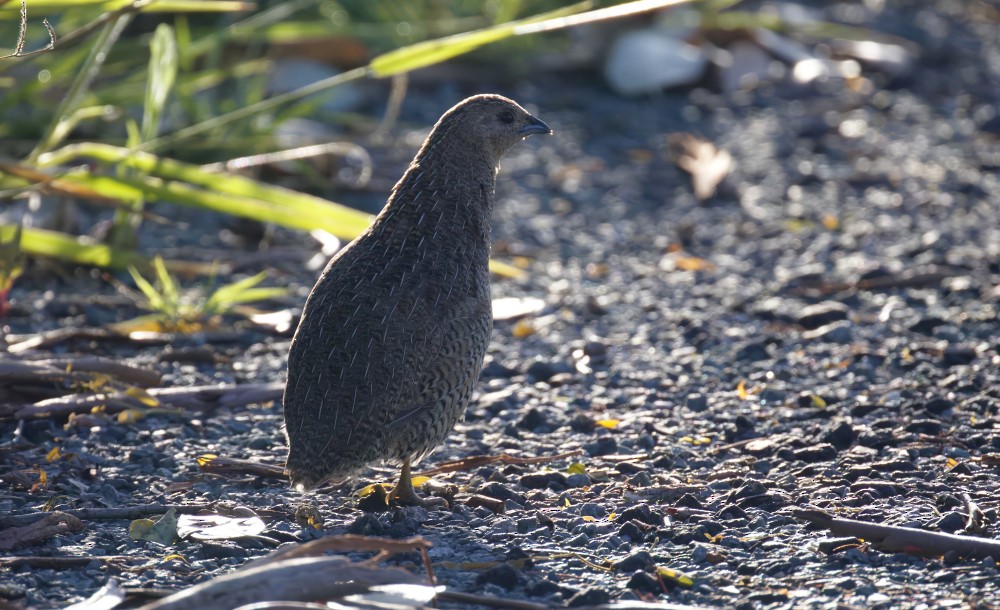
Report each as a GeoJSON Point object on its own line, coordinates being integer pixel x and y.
{"type": "Point", "coordinates": [534, 127]}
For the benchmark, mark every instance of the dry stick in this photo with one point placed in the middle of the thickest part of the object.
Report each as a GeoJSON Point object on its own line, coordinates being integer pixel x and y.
{"type": "Point", "coordinates": [59, 563]}
{"type": "Point", "coordinates": [975, 522]}
{"type": "Point", "coordinates": [894, 539]}
{"type": "Point", "coordinates": [197, 397]}
{"type": "Point", "coordinates": [476, 461]}
{"type": "Point", "coordinates": [94, 514]}
{"type": "Point", "coordinates": [70, 369]}
{"type": "Point", "coordinates": [61, 335]}
{"type": "Point", "coordinates": [302, 579]}
{"type": "Point", "coordinates": [51, 524]}
{"type": "Point", "coordinates": [350, 543]}
{"type": "Point", "coordinates": [224, 465]}
{"type": "Point", "coordinates": [515, 604]}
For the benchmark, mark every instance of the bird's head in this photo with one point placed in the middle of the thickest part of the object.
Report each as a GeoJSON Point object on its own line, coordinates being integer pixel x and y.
{"type": "Point", "coordinates": [488, 124]}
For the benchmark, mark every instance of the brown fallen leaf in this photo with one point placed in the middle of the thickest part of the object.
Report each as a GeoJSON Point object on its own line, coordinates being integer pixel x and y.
{"type": "Point", "coordinates": [707, 164]}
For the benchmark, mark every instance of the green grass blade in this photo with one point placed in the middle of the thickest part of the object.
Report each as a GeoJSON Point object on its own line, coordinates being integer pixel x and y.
{"type": "Point", "coordinates": [80, 250]}
{"type": "Point", "coordinates": [154, 300]}
{"type": "Point", "coordinates": [162, 74]}
{"type": "Point", "coordinates": [11, 10]}
{"type": "Point", "coordinates": [429, 52]}
{"type": "Point", "coordinates": [230, 194]}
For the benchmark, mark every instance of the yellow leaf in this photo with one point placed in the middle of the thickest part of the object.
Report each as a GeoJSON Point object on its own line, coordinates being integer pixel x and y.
{"type": "Point", "coordinates": [370, 489]}
{"type": "Point", "coordinates": [576, 468]}
{"type": "Point", "coordinates": [952, 462]}
{"type": "Point", "coordinates": [610, 424]}
{"type": "Point", "coordinates": [588, 518]}
{"type": "Point", "coordinates": [42, 480]}
{"type": "Point", "coordinates": [142, 396]}
{"type": "Point", "coordinates": [612, 516]}
{"type": "Point", "coordinates": [678, 577]}
{"type": "Point", "coordinates": [831, 222]}
{"type": "Point", "coordinates": [53, 455]}
{"type": "Point", "coordinates": [130, 416]}
{"type": "Point", "coordinates": [173, 556]}
{"type": "Point", "coordinates": [566, 502]}
{"type": "Point", "coordinates": [206, 459]}
{"type": "Point", "coordinates": [741, 390]}
{"type": "Point", "coordinates": [817, 401]}
{"type": "Point", "coordinates": [693, 263]}
{"type": "Point", "coordinates": [419, 480]}
{"type": "Point", "coordinates": [522, 329]}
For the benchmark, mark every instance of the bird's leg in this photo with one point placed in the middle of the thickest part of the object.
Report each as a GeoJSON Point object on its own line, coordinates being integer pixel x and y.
{"type": "Point", "coordinates": [403, 495]}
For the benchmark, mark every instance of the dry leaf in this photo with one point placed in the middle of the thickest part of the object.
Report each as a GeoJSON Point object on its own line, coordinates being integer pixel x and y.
{"type": "Point", "coordinates": [707, 164]}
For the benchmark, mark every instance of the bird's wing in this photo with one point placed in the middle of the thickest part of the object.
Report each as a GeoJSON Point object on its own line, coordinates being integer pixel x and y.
{"type": "Point", "coordinates": [448, 369]}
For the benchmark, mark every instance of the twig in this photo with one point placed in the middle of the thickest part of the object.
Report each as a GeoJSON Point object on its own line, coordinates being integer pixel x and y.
{"type": "Point", "coordinates": [895, 539]}
{"type": "Point", "coordinates": [476, 461]}
{"type": "Point", "coordinates": [195, 398]}
{"type": "Point", "coordinates": [60, 563]}
{"type": "Point", "coordinates": [95, 514]}
{"type": "Point", "coordinates": [22, 34]}
{"type": "Point", "coordinates": [397, 93]}
{"type": "Point", "coordinates": [350, 543]}
{"type": "Point", "coordinates": [975, 519]}
{"type": "Point", "coordinates": [516, 604]}
{"type": "Point", "coordinates": [51, 524]}
{"type": "Point", "coordinates": [224, 465]}
{"type": "Point", "coordinates": [303, 579]}
{"type": "Point", "coordinates": [69, 369]}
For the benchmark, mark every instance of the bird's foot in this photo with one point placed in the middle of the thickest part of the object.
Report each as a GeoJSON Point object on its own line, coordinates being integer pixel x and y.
{"type": "Point", "coordinates": [407, 497]}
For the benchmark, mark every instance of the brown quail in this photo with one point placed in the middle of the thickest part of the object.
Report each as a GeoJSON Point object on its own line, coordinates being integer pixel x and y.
{"type": "Point", "coordinates": [393, 334]}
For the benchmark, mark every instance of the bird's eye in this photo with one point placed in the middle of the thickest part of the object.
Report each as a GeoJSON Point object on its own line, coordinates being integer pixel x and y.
{"type": "Point", "coordinates": [506, 117]}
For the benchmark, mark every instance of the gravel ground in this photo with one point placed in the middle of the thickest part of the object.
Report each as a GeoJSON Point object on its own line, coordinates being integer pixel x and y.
{"type": "Point", "coordinates": [823, 332]}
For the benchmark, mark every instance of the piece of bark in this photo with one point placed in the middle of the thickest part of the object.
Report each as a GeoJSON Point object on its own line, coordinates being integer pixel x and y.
{"type": "Point", "coordinates": [196, 397]}
{"type": "Point", "coordinates": [49, 525]}
{"type": "Point", "coordinates": [304, 579]}
{"type": "Point", "coordinates": [895, 539]}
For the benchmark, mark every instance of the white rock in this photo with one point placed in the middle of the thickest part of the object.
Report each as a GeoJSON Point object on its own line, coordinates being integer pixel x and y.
{"type": "Point", "coordinates": [647, 61]}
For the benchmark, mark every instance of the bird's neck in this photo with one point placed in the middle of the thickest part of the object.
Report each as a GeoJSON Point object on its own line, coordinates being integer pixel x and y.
{"type": "Point", "coordinates": [444, 196]}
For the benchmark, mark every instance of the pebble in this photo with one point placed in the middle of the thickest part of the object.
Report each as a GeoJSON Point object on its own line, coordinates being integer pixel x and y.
{"type": "Point", "coordinates": [820, 314]}
{"type": "Point", "coordinates": [835, 332]}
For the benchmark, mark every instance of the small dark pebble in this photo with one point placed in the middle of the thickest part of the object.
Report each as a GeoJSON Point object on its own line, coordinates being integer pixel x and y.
{"type": "Point", "coordinates": [645, 582]}
{"type": "Point", "coordinates": [924, 426]}
{"type": "Point", "coordinates": [732, 511]}
{"type": "Point", "coordinates": [926, 325]}
{"type": "Point", "coordinates": [540, 370]}
{"type": "Point", "coordinates": [541, 480]}
{"type": "Point", "coordinates": [821, 452]}
{"type": "Point", "coordinates": [937, 406]}
{"type": "Point", "coordinates": [639, 561]}
{"type": "Point", "coordinates": [605, 445]}
{"type": "Point", "coordinates": [501, 492]}
{"type": "Point", "coordinates": [835, 332]}
{"type": "Point", "coordinates": [494, 370]}
{"type": "Point", "coordinates": [590, 597]}
{"type": "Point", "coordinates": [830, 545]}
{"type": "Point", "coordinates": [375, 502]}
{"type": "Point", "coordinates": [841, 437]}
{"type": "Point", "coordinates": [753, 352]}
{"type": "Point", "coordinates": [821, 314]}
{"type": "Point", "coordinates": [502, 575]}
{"type": "Point", "coordinates": [644, 514]}
{"type": "Point", "coordinates": [696, 402]}
{"type": "Point", "coordinates": [635, 530]}
{"type": "Point", "coordinates": [532, 419]}
{"type": "Point", "coordinates": [957, 356]}
{"type": "Point", "coordinates": [951, 522]}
